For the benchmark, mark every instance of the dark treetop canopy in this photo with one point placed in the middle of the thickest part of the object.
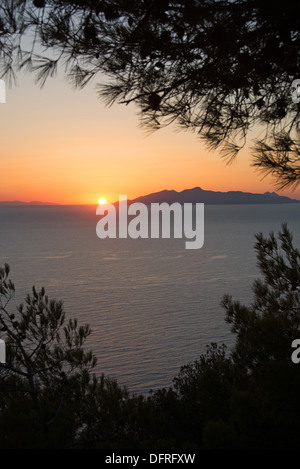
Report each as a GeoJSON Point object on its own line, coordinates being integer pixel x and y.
{"type": "Point", "coordinates": [215, 67]}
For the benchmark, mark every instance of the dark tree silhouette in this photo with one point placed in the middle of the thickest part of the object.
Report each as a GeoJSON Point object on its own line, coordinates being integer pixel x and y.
{"type": "Point", "coordinates": [50, 395]}
{"type": "Point", "coordinates": [44, 356]}
{"type": "Point", "coordinates": [248, 398]}
{"type": "Point", "coordinates": [216, 67]}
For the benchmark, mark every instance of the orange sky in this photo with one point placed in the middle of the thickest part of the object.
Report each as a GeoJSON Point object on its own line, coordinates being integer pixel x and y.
{"type": "Point", "coordinates": [64, 146]}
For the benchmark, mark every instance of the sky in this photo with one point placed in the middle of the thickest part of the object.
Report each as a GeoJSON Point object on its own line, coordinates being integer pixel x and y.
{"type": "Point", "coordinates": [62, 145]}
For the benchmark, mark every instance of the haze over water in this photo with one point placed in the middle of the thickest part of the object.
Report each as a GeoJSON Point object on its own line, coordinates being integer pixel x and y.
{"type": "Point", "coordinates": [153, 306]}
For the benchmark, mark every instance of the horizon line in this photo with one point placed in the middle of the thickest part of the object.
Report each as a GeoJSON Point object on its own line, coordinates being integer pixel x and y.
{"type": "Point", "coordinates": [37, 202]}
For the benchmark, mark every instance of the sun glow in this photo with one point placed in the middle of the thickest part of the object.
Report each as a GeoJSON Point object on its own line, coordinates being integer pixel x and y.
{"type": "Point", "coordinates": [101, 201]}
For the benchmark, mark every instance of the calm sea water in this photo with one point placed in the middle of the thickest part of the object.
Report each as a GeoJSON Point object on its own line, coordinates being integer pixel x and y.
{"type": "Point", "coordinates": [153, 306]}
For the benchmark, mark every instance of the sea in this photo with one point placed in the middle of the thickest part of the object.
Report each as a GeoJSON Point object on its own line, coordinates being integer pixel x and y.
{"type": "Point", "coordinates": [153, 306]}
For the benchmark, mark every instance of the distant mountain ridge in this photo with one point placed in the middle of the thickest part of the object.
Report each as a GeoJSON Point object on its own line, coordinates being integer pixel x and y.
{"type": "Point", "coordinates": [198, 195]}
{"type": "Point", "coordinates": [195, 195]}
{"type": "Point", "coordinates": [19, 202]}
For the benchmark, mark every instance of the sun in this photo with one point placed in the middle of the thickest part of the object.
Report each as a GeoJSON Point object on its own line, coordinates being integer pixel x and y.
{"type": "Point", "coordinates": [101, 201]}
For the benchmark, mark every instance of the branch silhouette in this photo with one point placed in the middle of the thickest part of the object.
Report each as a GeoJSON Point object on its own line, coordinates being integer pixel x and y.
{"type": "Point", "coordinates": [217, 68]}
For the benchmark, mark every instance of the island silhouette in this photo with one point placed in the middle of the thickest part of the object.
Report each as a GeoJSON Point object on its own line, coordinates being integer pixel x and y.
{"type": "Point", "coordinates": [198, 195]}
{"type": "Point", "coordinates": [195, 195]}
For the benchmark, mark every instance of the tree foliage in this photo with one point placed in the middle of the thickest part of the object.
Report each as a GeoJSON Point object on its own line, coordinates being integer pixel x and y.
{"type": "Point", "coordinates": [47, 387]}
{"type": "Point", "coordinates": [247, 398]}
{"type": "Point", "coordinates": [266, 328]}
{"type": "Point", "coordinates": [216, 67]}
